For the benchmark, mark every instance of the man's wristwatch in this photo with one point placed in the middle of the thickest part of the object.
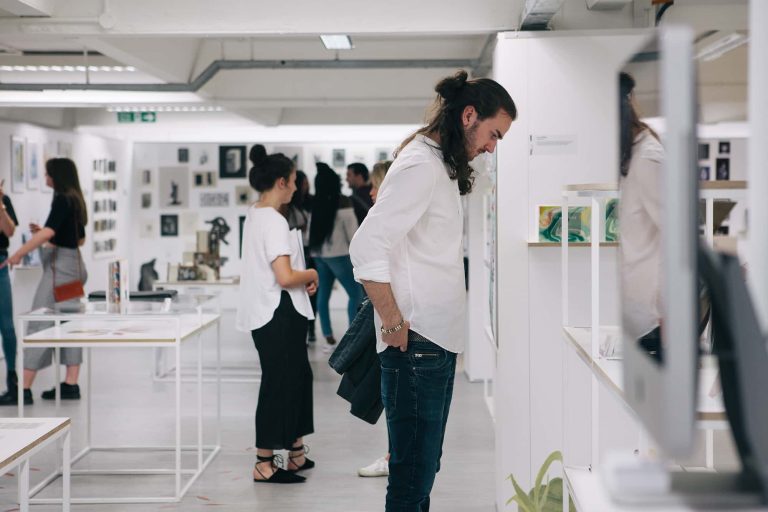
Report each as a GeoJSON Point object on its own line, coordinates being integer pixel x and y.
{"type": "Point", "coordinates": [393, 330]}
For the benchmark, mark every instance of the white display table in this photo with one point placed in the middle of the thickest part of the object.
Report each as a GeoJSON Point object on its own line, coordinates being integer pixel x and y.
{"type": "Point", "coordinates": [21, 438]}
{"type": "Point", "coordinates": [146, 325]}
{"type": "Point", "coordinates": [233, 368]}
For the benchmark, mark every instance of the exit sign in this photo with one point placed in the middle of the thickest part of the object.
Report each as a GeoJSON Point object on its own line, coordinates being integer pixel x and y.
{"type": "Point", "coordinates": [136, 117]}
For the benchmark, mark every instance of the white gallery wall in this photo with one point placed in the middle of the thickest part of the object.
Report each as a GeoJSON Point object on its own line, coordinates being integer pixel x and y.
{"type": "Point", "coordinates": [196, 208]}
{"type": "Point", "coordinates": [32, 200]}
{"type": "Point", "coordinates": [564, 85]}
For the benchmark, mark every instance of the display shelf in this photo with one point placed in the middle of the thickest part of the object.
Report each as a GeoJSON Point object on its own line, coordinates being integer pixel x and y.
{"type": "Point", "coordinates": [571, 244]}
{"type": "Point", "coordinates": [609, 373]}
{"type": "Point", "coordinates": [589, 494]}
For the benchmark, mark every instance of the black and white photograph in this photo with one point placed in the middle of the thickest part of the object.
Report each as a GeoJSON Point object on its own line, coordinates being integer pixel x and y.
{"type": "Point", "coordinates": [174, 187]}
{"type": "Point", "coordinates": [214, 199]}
{"type": "Point", "coordinates": [232, 162]}
{"type": "Point", "coordinates": [703, 151]}
{"type": "Point", "coordinates": [169, 225]}
{"type": "Point", "coordinates": [704, 172]}
{"type": "Point", "coordinates": [338, 158]}
{"type": "Point", "coordinates": [723, 169]}
{"type": "Point", "coordinates": [146, 200]}
{"type": "Point", "coordinates": [724, 148]}
{"type": "Point", "coordinates": [146, 177]}
{"type": "Point", "coordinates": [183, 155]}
{"type": "Point", "coordinates": [243, 195]}
{"type": "Point", "coordinates": [204, 179]}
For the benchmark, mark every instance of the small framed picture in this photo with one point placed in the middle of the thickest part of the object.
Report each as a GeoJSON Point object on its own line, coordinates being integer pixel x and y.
{"type": "Point", "coordinates": [169, 225]}
{"type": "Point", "coordinates": [146, 200]}
{"type": "Point", "coordinates": [232, 162]}
{"type": "Point", "coordinates": [339, 158]}
{"type": "Point", "coordinates": [704, 151]}
{"type": "Point", "coordinates": [183, 155]}
{"type": "Point", "coordinates": [704, 172]}
{"type": "Point", "coordinates": [146, 177]}
{"type": "Point", "coordinates": [723, 169]}
{"type": "Point", "coordinates": [724, 148]}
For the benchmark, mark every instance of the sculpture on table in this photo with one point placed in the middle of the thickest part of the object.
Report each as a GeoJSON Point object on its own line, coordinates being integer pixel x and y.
{"type": "Point", "coordinates": [148, 276]}
{"type": "Point", "coordinates": [208, 259]}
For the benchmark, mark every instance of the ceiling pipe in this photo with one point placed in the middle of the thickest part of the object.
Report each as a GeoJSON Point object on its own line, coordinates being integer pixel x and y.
{"type": "Point", "coordinates": [220, 65]}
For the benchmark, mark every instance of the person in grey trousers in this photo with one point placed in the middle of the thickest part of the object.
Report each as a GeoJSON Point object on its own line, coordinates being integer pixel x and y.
{"type": "Point", "coordinates": [59, 241]}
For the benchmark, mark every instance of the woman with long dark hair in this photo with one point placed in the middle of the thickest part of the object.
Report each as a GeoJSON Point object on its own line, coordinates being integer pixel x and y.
{"type": "Point", "coordinates": [275, 309]}
{"type": "Point", "coordinates": [640, 212]}
{"type": "Point", "coordinates": [331, 230]}
{"type": "Point", "coordinates": [59, 241]}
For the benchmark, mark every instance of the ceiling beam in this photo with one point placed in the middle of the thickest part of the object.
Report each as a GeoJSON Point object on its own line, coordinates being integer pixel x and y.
{"type": "Point", "coordinates": [220, 65]}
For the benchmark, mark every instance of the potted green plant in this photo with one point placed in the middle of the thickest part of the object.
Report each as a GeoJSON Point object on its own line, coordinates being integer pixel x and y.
{"type": "Point", "coordinates": [543, 497]}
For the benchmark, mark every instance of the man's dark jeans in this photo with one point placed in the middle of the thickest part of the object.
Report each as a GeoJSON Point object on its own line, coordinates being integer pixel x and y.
{"type": "Point", "coordinates": [416, 388]}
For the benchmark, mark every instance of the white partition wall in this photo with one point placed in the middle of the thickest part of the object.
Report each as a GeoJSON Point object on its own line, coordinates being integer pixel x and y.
{"type": "Point", "coordinates": [564, 85]}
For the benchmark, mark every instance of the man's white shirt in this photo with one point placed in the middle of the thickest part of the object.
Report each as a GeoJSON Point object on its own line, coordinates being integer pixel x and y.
{"type": "Point", "coordinates": [412, 239]}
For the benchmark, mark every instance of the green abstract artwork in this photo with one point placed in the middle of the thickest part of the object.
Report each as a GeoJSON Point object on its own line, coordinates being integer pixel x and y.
{"type": "Point", "coordinates": [550, 224]}
{"type": "Point", "coordinates": [612, 220]}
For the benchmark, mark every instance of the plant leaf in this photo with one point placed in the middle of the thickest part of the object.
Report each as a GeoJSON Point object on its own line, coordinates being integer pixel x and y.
{"type": "Point", "coordinates": [521, 498]}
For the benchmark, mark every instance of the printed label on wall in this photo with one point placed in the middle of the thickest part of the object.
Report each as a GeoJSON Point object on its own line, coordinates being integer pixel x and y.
{"type": "Point", "coordinates": [553, 144]}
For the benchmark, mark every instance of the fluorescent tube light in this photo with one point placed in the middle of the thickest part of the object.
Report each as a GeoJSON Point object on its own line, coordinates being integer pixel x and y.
{"type": "Point", "coordinates": [718, 48]}
{"type": "Point", "coordinates": [337, 41]}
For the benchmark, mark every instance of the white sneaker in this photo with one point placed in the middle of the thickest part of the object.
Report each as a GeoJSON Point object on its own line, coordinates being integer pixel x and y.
{"type": "Point", "coordinates": [380, 467]}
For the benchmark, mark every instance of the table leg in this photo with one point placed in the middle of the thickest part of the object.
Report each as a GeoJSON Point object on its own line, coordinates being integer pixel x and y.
{"type": "Point", "coordinates": [200, 401]}
{"type": "Point", "coordinates": [24, 486]}
{"type": "Point", "coordinates": [65, 470]}
{"type": "Point", "coordinates": [20, 366]}
{"type": "Point", "coordinates": [178, 417]}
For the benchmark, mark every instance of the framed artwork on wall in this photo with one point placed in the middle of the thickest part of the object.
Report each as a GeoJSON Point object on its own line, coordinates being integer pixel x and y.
{"type": "Point", "coordinates": [339, 158]}
{"type": "Point", "coordinates": [550, 223]}
{"type": "Point", "coordinates": [33, 166]}
{"type": "Point", "coordinates": [243, 195]}
{"type": "Point", "coordinates": [232, 162]}
{"type": "Point", "coordinates": [18, 163]}
{"type": "Point", "coordinates": [174, 187]}
{"type": "Point", "coordinates": [169, 225]}
{"type": "Point", "coordinates": [214, 199]}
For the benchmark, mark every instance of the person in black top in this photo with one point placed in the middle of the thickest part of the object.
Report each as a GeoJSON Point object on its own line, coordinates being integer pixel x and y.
{"type": "Point", "coordinates": [59, 241]}
{"type": "Point", "coordinates": [8, 223]}
{"type": "Point", "coordinates": [357, 179]}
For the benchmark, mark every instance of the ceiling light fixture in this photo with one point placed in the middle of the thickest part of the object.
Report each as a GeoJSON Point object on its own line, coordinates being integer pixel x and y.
{"type": "Point", "coordinates": [166, 108]}
{"type": "Point", "coordinates": [68, 68]}
{"type": "Point", "coordinates": [337, 41]}
{"type": "Point", "coordinates": [718, 48]}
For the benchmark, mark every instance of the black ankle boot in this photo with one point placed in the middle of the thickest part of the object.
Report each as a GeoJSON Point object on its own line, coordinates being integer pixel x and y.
{"type": "Point", "coordinates": [68, 392]}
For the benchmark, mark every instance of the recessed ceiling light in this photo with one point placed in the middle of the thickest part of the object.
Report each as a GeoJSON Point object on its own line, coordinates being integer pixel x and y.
{"type": "Point", "coordinates": [337, 41]}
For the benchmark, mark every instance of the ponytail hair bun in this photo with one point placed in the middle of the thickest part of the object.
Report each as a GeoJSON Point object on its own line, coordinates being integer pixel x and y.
{"type": "Point", "coordinates": [267, 169]}
{"type": "Point", "coordinates": [449, 88]}
{"type": "Point", "coordinates": [257, 154]}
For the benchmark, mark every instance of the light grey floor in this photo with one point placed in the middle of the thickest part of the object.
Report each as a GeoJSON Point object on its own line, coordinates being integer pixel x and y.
{"type": "Point", "coordinates": [130, 408]}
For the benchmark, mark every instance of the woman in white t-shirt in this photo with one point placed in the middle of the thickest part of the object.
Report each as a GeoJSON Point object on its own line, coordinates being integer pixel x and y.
{"type": "Point", "coordinates": [274, 307]}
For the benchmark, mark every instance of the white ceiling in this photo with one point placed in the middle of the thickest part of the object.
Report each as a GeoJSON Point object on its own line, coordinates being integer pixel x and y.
{"type": "Point", "coordinates": [174, 41]}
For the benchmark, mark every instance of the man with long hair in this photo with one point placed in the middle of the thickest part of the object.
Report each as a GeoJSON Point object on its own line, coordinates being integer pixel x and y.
{"type": "Point", "coordinates": [408, 256]}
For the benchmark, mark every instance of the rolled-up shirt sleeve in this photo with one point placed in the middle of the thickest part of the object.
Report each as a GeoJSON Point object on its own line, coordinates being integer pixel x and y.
{"type": "Point", "coordinates": [402, 200]}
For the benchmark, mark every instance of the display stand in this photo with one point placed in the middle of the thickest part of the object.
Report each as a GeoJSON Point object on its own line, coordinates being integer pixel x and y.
{"type": "Point", "coordinates": [25, 437]}
{"type": "Point", "coordinates": [144, 325]}
{"type": "Point", "coordinates": [606, 372]}
{"type": "Point", "coordinates": [226, 293]}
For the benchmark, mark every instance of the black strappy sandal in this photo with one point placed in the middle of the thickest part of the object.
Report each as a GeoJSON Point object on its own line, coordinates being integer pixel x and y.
{"type": "Point", "coordinates": [308, 463]}
{"type": "Point", "coordinates": [280, 476]}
